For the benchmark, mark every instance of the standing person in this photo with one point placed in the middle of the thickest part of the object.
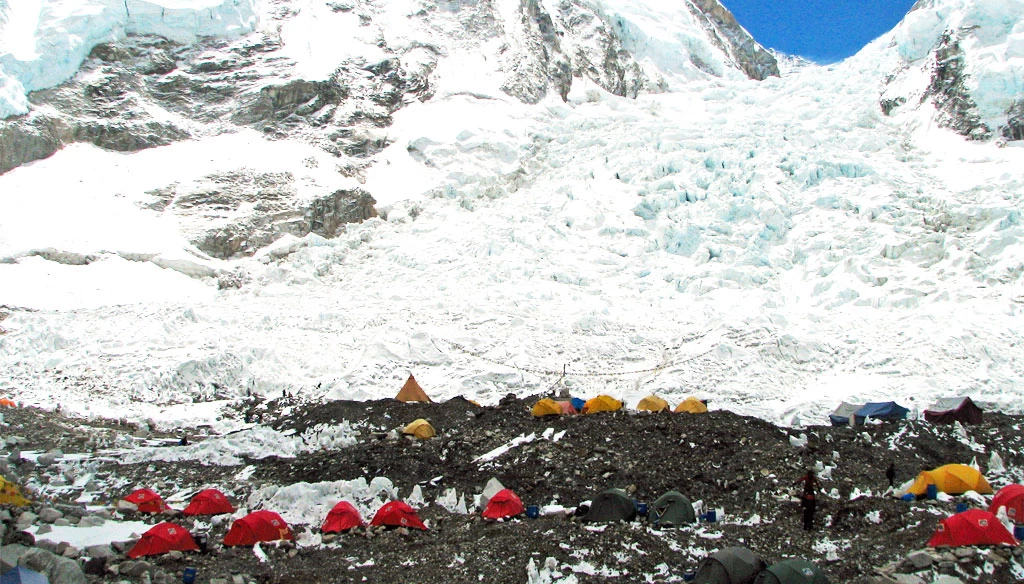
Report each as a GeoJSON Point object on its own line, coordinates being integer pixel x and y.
{"type": "Point", "coordinates": [890, 474]}
{"type": "Point", "coordinates": [808, 498]}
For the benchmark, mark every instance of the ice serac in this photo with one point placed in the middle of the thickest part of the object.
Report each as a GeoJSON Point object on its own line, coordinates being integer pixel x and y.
{"type": "Point", "coordinates": [966, 59]}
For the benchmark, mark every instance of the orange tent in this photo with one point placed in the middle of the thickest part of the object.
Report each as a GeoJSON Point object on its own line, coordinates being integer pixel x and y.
{"type": "Point", "coordinates": [7, 403]}
{"type": "Point", "coordinates": [412, 392]}
{"type": "Point", "coordinates": [652, 403]}
{"type": "Point", "coordinates": [691, 405]}
{"type": "Point", "coordinates": [602, 403]}
{"type": "Point", "coordinates": [952, 479]}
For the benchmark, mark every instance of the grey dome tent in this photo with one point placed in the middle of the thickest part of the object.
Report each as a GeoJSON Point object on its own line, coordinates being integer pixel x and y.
{"type": "Point", "coordinates": [841, 416]}
{"type": "Point", "coordinates": [793, 571]}
{"type": "Point", "coordinates": [731, 565]}
{"type": "Point", "coordinates": [672, 508]}
{"type": "Point", "coordinates": [611, 505]}
{"type": "Point", "coordinates": [954, 409]}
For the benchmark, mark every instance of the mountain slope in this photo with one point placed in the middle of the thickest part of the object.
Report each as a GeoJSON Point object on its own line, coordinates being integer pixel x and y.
{"type": "Point", "coordinates": [661, 223]}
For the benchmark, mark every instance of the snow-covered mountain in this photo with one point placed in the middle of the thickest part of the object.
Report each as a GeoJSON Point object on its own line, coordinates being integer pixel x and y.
{"type": "Point", "coordinates": [504, 196]}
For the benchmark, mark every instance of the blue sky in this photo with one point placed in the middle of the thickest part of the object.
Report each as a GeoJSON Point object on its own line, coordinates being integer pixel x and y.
{"type": "Point", "coordinates": [824, 31]}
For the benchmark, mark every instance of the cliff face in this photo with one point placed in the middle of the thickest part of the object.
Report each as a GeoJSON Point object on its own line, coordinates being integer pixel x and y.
{"type": "Point", "coordinates": [727, 34]}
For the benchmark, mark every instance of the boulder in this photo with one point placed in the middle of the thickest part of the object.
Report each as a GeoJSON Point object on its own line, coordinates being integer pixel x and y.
{"type": "Point", "coordinates": [920, 560]}
{"type": "Point", "coordinates": [49, 515]}
{"type": "Point", "coordinates": [100, 551]}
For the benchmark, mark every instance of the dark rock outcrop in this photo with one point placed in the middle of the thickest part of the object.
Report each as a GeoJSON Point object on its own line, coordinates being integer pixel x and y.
{"type": "Point", "coordinates": [957, 109]}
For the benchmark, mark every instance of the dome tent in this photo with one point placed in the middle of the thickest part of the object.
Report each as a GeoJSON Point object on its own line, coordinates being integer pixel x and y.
{"type": "Point", "coordinates": [342, 517]}
{"type": "Point", "coordinates": [256, 527]}
{"type": "Point", "coordinates": [1011, 497]}
{"type": "Point", "coordinates": [952, 479]}
{"type": "Point", "coordinates": [611, 505]}
{"type": "Point", "coordinates": [972, 527]}
{"type": "Point", "coordinates": [147, 501]}
{"type": "Point", "coordinates": [731, 565]}
{"type": "Point", "coordinates": [503, 504]}
{"type": "Point", "coordinates": [162, 538]}
{"type": "Point", "coordinates": [652, 403]}
{"type": "Point", "coordinates": [672, 508]}
{"type": "Point", "coordinates": [10, 494]}
{"type": "Point", "coordinates": [420, 429]}
{"type": "Point", "coordinates": [691, 405]}
{"type": "Point", "coordinates": [208, 502]}
{"type": "Point", "coordinates": [398, 514]}
{"type": "Point", "coordinates": [602, 403]}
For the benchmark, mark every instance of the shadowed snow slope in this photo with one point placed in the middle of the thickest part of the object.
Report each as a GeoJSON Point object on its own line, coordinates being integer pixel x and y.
{"type": "Point", "coordinates": [773, 246]}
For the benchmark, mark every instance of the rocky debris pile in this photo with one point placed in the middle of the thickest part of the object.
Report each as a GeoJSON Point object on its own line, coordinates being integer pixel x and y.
{"type": "Point", "coordinates": [743, 468]}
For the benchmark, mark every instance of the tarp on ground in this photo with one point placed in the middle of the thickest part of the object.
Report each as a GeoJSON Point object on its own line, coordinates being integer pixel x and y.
{"type": "Point", "coordinates": [23, 575]}
{"type": "Point", "coordinates": [794, 571]}
{"type": "Point", "coordinates": [611, 505]}
{"type": "Point", "coordinates": [162, 538]}
{"type": "Point", "coordinates": [652, 403]}
{"type": "Point", "coordinates": [691, 405]}
{"type": "Point", "coordinates": [952, 479]}
{"type": "Point", "coordinates": [412, 392]}
{"type": "Point", "coordinates": [10, 494]}
{"type": "Point", "coordinates": [972, 527]}
{"type": "Point", "coordinates": [842, 414]}
{"type": "Point", "coordinates": [731, 565]}
{"type": "Point", "coordinates": [671, 509]}
{"type": "Point", "coordinates": [602, 403]}
{"type": "Point", "coordinates": [342, 517]}
{"type": "Point", "coordinates": [420, 429]}
{"type": "Point", "coordinates": [256, 527]}
{"type": "Point", "coordinates": [1011, 497]}
{"type": "Point", "coordinates": [954, 409]}
{"type": "Point", "coordinates": [208, 502]}
{"type": "Point", "coordinates": [885, 411]}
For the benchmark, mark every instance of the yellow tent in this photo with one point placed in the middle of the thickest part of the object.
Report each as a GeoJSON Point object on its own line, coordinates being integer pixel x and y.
{"type": "Point", "coordinates": [652, 403]}
{"type": "Point", "coordinates": [692, 405]}
{"type": "Point", "coordinates": [412, 392]}
{"type": "Point", "coordinates": [952, 479]}
{"type": "Point", "coordinates": [421, 429]}
{"type": "Point", "coordinates": [546, 407]}
{"type": "Point", "coordinates": [602, 403]}
{"type": "Point", "coordinates": [10, 494]}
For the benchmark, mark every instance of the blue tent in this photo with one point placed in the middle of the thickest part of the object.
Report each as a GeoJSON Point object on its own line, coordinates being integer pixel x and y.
{"type": "Point", "coordinates": [22, 575]}
{"type": "Point", "coordinates": [887, 411]}
{"type": "Point", "coordinates": [577, 404]}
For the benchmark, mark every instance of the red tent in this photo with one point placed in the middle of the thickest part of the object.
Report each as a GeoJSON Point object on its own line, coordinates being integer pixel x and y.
{"type": "Point", "coordinates": [397, 514]}
{"type": "Point", "coordinates": [147, 501]}
{"type": "Point", "coordinates": [162, 538]}
{"type": "Point", "coordinates": [503, 504]}
{"type": "Point", "coordinates": [1011, 497]}
{"type": "Point", "coordinates": [342, 518]}
{"type": "Point", "coordinates": [973, 527]}
{"type": "Point", "coordinates": [256, 527]}
{"type": "Point", "coordinates": [208, 502]}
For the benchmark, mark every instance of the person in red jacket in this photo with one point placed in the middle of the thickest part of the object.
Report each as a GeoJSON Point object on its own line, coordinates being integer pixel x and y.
{"type": "Point", "coordinates": [809, 498]}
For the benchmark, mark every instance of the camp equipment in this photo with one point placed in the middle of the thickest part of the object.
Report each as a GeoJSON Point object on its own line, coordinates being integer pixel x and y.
{"type": "Point", "coordinates": [731, 565]}
{"type": "Point", "coordinates": [954, 409]}
{"type": "Point", "coordinates": [256, 527]}
{"type": "Point", "coordinates": [342, 517]}
{"type": "Point", "coordinates": [502, 505]}
{"type": "Point", "coordinates": [952, 479]}
{"type": "Point", "coordinates": [533, 511]}
{"type": "Point", "coordinates": [885, 411]}
{"type": "Point", "coordinates": [420, 429]}
{"type": "Point", "coordinates": [602, 403]}
{"type": "Point", "coordinates": [208, 502]}
{"type": "Point", "coordinates": [652, 403]}
{"type": "Point", "coordinates": [842, 414]}
{"type": "Point", "coordinates": [611, 505]}
{"type": "Point", "coordinates": [147, 501]}
{"type": "Point", "coordinates": [546, 407]}
{"type": "Point", "coordinates": [1011, 497]}
{"type": "Point", "coordinates": [412, 392]}
{"type": "Point", "coordinates": [162, 538]}
{"type": "Point", "coordinates": [794, 571]}
{"type": "Point", "coordinates": [671, 509]}
{"type": "Point", "coordinates": [398, 514]}
{"type": "Point", "coordinates": [10, 494]}
{"type": "Point", "coordinates": [691, 405]}
{"type": "Point", "coordinates": [23, 575]}
{"type": "Point", "coordinates": [974, 527]}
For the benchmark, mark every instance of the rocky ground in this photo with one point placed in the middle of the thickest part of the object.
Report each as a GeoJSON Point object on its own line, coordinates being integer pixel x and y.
{"type": "Point", "coordinates": [743, 466]}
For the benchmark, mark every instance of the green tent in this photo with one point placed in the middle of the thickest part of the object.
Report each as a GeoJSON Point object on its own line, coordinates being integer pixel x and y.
{"type": "Point", "coordinates": [792, 572]}
{"type": "Point", "coordinates": [672, 508]}
{"type": "Point", "coordinates": [611, 505]}
{"type": "Point", "coordinates": [731, 565]}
